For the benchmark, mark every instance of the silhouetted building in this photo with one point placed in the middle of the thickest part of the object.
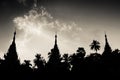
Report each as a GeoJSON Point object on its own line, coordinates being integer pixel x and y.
{"type": "Point", "coordinates": [92, 65]}
{"type": "Point", "coordinates": [107, 48]}
{"type": "Point", "coordinates": [56, 46]}
{"type": "Point", "coordinates": [55, 54]}
{"type": "Point", "coordinates": [54, 58]}
{"type": "Point", "coordinates": [11, 57]}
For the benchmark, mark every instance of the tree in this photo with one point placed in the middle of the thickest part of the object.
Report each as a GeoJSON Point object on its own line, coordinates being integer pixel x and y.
{"type": "Point", "coordinates": [93, 63]}
{"type": "Point", "coordinates": [39, 62]}
{"type": "Point", "coordinates": [116, 52]}
{"type": "Point", "coordinates": [27, 63]}
{"type": "Point", "coordinates": [66, 63]}
{"type": "Point", "coordinates": [66, 58]}
{"type": "Point", "coordinates": [26, 67]}
{"type": "Point", "coordinates": [77, 59]}
{"type": "Point", "coordinates": [81, 52]}
{"type": "Point", "coordinates": [95, 45]}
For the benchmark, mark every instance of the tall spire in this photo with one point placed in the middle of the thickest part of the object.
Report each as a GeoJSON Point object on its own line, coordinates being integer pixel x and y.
{"type": "Point", "coordinates": [12, 53]}
{"type": "Point", "coordinates": [55, 38]}
{"type": "Point", "coordinates": [54, 57]}
{"type": "Point", "coordinates": [14, 36]}
{"type": "Point", "coordinates": [11, 57]}
{"type": "Point", "coordinates": [56, 46]}
{"type": "Point", "coordinates": [106, 41]}
{"type": "Point", "coordinates": [107, 48]}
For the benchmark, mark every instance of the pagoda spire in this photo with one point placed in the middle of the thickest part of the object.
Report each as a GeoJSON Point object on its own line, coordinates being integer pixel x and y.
{"type": "Point", "coordinates": [12, 53]}
{"type": "Point", "coordinates": [56, 49]}
{"type": "Point", "coordinates": [106, 40]}
{"type": "Point", "coordinates": [14, 36]}
{"type": "Point", "coordinates": [55, 45]}
{"type": "Point", "coordinates": [55, 39]}
{"type": "Point", "coordinates": [107, 48]}
{"type": "Point", "coordinates": [54, 57]}
{"type": "Point", "coordinates": [11, 57]}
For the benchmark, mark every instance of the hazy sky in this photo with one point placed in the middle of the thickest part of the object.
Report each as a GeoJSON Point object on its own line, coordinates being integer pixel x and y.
{"type": "Point", "coordinates": [77, 23]}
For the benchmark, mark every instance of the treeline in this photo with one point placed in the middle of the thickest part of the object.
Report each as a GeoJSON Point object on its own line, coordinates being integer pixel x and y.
{"type": "Point", "coordinates": [78, 64]}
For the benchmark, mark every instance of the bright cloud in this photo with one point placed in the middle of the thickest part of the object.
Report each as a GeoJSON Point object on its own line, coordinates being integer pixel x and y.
{"type": "Point", "coordinates": [39, 23]}
{"type": "Point", "coordinates": [38, 20]}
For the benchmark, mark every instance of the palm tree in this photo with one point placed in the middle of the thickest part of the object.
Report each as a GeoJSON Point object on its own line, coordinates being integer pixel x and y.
{"type": "Point", "coordinates": [39, 61]}
{"type": "Point", "coordinates": [95, 45]}
{"type": "Point", "coordinates": [81, 52]}
{"type": "Point", "coordinates": [27, 63]}
{"type": "Point", "coordinates": [66, 57]}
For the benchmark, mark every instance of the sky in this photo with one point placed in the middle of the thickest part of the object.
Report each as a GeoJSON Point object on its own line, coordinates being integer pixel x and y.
{"type": "Point", "coordinates": [77, 23]}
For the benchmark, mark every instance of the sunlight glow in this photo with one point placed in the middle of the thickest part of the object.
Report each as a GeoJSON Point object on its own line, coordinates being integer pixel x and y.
{"type": "Point", "coordinates": [39, 29]}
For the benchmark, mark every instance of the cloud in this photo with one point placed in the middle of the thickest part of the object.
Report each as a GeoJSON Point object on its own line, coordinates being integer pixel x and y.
{"type": "Point", "coordinates": [36, 25]}
{"type": "Point", "coordinates": [38, 20]}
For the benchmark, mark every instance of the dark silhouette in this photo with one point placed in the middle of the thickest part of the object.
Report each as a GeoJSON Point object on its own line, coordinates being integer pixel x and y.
{"type": "Point", "coordinates": [11, 63]}
{"type": "Point", "coordinates": [39, 63]}
{"type": "Point", "coordinates": [11, 58]}
{"type": "Point", "coordinates": [107, 48]}
{"type": "Point", "coordinates": [63, 66]}
{"type": "Point", "coordinates": [95, 45]}
{"type": "Point", "coordinates": [77, 59]}
{"type": "Point", "coordinates": [54, 62]}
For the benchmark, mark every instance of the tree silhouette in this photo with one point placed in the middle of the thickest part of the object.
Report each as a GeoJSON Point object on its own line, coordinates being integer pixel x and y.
{"type": "Point", "coordinates": [65, 63]}
{"type": "Point", "coordinates": [77, 59]}
{"type": "Point", "coordinates": [92, 64]}
{"type": "Point", "coordinates": [26, 66]}
{"type": "Point", "coordinates": [66, 58]}
{"type": "Point", "coordinates": [26, 70]}
{"type": "Point", "coordinates": [81, 52]}
{"type": "Point", "coordinates": [95, 45]}
{"type": "Point", "coordinates": [39, 62]}
{"type": "Point", "coordinates": [27, 63]}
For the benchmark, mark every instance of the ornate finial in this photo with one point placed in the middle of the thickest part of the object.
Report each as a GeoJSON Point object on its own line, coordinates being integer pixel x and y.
{"type": "Point", "coordinates": [56, 38]}
{"type": "Point", "coordinates": [105, 34]}
{"type": "Point", "coordinates": [105, 37]}
{"type": "Point", "coordinates": [14, 35]}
